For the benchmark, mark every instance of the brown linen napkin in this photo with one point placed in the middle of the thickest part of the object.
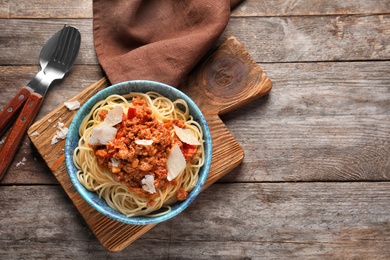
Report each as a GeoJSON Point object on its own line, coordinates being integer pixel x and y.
{"type": "Point", "coordinates": [159, 40]}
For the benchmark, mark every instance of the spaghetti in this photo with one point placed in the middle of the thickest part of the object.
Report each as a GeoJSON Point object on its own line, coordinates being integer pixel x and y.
{"type": "Point", "coordinates": [132, 158]}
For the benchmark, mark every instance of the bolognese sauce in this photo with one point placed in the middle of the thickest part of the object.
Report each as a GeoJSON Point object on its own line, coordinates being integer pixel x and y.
{"type": "Point", "coordinates": [141, 147]}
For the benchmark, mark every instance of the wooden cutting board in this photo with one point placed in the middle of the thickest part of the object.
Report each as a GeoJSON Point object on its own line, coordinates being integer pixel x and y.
{"type": "Point", "coordinates": [227, 79]}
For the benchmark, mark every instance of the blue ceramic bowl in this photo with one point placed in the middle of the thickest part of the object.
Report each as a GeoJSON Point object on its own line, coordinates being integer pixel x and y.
{"type": "Point", "coordinates": [123, 88]}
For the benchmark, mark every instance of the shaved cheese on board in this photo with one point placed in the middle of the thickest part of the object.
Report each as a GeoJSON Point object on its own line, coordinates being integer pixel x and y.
{"type": "Point", "coordinates": [72, 105]}
{"type": "Point", "coordinates": [61, 133]}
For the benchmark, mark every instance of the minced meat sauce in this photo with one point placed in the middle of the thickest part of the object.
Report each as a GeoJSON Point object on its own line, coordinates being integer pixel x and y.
{"type": "Point", "coordinates": [134, 161]}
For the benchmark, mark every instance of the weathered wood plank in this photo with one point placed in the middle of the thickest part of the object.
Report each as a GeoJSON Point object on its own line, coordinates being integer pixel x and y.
{"type": "Point", "coordinates": [267, 39]}
{"type": "Point", "coordinates": [310, 89]}
{"type": "Point", "coordinates": [27, 36]}
{"type": "Point", "coordinates": [322, 121]}
{"type": "Point", "coordinates": [301, 148]}
{"type": "Point", "coordinates": [327, 89]}
{"type": "Point", "coordinates": [83, 8]}
{"type": "Point", "coordinates": [229, 221]}
{"type": "Point", "coordinates": [310, 7]}
{"type": "Point", "coordinates": [319, 38]}
{"type": "Point", "coordinates": [46, 9]}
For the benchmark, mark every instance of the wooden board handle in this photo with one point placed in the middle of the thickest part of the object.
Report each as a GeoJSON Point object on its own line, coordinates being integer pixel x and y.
{"type": "Point", "coordinates": [11, 144]}
{"type": "Point", "coordinates": [228, 79]}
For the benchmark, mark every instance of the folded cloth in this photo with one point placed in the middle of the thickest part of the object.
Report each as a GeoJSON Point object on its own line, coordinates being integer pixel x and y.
{"type": "Point", "coordinates": [160, 40]}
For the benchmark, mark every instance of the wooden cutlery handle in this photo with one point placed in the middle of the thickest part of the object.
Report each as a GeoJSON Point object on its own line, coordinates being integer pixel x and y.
{"type": "Point", "coordinates": [13, 107]}
{"type": "Point", "coordinates": [22, 123]}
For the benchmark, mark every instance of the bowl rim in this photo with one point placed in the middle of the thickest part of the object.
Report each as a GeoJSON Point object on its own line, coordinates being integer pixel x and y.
{"type": "Point", "coordinates": [122, 88]}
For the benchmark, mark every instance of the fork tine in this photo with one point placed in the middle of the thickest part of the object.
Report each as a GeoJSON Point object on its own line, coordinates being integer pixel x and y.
{"type": "Point", "coordinates": [68, 43]}
{"type": "Point", "coordinates": [61, 43]}
{"type": "Point", "coordinates": [61, 59]}
{"type": "Point", "coordinates": [70, 46]}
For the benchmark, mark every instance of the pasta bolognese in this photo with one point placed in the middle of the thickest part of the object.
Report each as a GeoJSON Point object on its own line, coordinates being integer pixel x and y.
{"type": "Point", "coordinates": [141, 152]}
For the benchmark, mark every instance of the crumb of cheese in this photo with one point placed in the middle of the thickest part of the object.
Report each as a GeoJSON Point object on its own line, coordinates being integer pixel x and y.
{"type": "Point", "coordinates": [35, 134]}
{"type": "Point", "coordinates": [72, 105]}
{"type": "Point", "coordinates": [21, 162]}
{"type": "Point", "coordinates": [61, 133]}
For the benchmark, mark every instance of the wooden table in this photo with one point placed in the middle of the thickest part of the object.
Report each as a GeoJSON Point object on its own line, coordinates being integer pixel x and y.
{"type": "Point", "coordinates": [314, 183]}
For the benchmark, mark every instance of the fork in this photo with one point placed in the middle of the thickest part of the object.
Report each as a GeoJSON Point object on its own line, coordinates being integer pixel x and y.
{"type": "Point", "coordinates": [59, 63]}
{"type": "Point", "coordinates": [63, 58]}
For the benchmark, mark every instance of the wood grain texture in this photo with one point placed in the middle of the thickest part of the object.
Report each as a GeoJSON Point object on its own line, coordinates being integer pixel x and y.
{"type": "Point", "coordinates": [248, 80]}
{"type": "Point", "coordinates": [27, 36]}
{"type": "Point", "coordinates": [314, 180]}
{"type": "Point", "coordinates": [262, 221]}
{"type": "Point", "coordinates": [83, 8]}
{"type": "Point", "coordinates": [318, 38]}
{"type": "Point", "coordinates": [315, 149]}
{"type": "Point", "coordinates": [322, 122]}
{"type": "Point", "coordinates": [267, 39]}
{"type": "Point", "coordinates": [310, 7]}
{"type": "Point", "coordinates": [46, 9]}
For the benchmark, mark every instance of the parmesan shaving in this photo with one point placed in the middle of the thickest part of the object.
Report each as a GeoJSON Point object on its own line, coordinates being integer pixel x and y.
{"type": "Point", "coordinates": [72, 105]}
{"type": "Point", "coordinates": [148, 184]}
{"type": "Point", "coordinates": [22, 162]}
{"type": "Point", "coordinates": [175, 163]}
{"type": "Point", "coordinates": [114, 116]}
{"type": "Point", "coordinates": [34, 133]}
{"type": "Point", "coordinates": [61, 133]}
{"type": "Point", "coordinates": [186, 135]}
{"type": "Point", "coordinates": [105, 131]}
{"type": "Point", "coordinates": [102, 134]}
{"type": "Point", "coordinates": [54, 140]}
{"type": "Point", "coordinates": [144, 142]}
